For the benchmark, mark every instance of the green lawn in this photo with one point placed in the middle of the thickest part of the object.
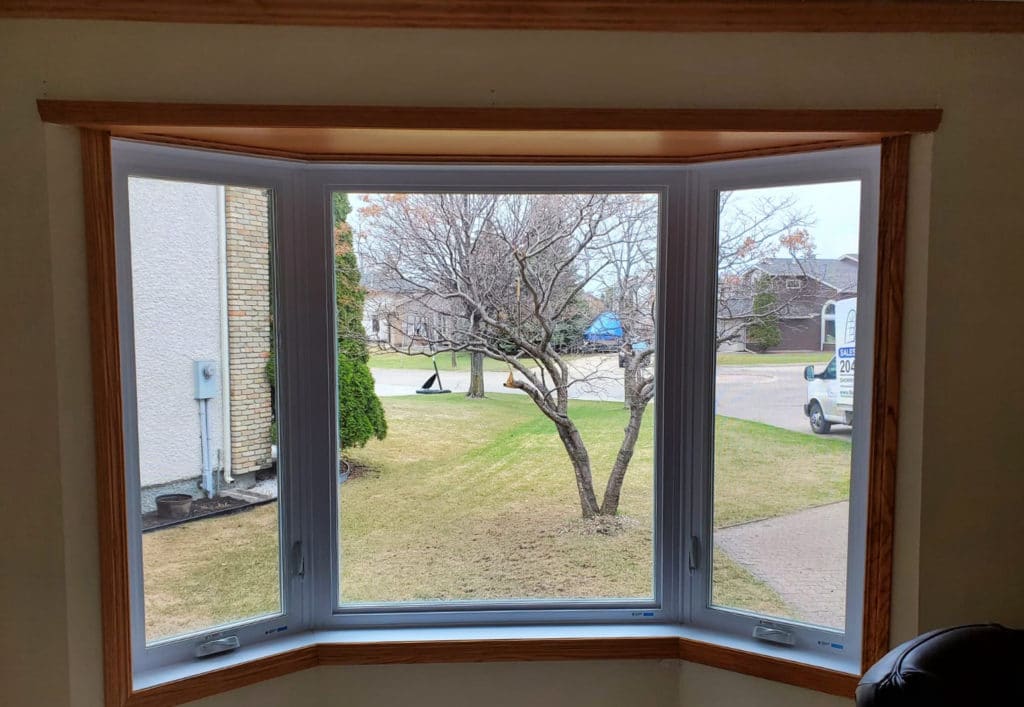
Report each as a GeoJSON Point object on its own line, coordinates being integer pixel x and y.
{"type": "Point", "coordinates": [476, 499]}
{"type": "Point", "coordinates": [763, 471]}
{"type": "Point", "coordinates": [773, 359]}
{"type": "Point", "coordinates": [444, 360]}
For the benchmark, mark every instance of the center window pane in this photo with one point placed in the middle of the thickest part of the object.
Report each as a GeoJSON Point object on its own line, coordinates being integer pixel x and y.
{"type": "Point", "coordinates": [495, 357]}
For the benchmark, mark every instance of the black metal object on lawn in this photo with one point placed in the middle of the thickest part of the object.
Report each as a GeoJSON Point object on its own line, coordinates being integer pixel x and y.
{"type": "Point", "coordinates": [428, 386]}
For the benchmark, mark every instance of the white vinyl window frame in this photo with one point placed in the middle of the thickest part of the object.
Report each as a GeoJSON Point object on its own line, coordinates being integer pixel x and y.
{"type": "Point", "coordinates": [302, 252]}
{"type": "Point", "coordinates": [191, 166]}
{"type": "Point", "coordinates": [321, 181]}
{"type": "Point", "coordinates": [857, 164]}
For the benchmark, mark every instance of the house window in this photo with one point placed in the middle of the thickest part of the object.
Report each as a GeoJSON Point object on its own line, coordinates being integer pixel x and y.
{"type": "Point", "coordinates": [793, 283]}
{"type": "Point", "coordinates": [828, 324]}
{"type": "Point", "coordinates": [606, 463]}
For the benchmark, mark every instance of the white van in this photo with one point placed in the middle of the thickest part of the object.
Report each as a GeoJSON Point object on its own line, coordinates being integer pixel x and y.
{"type": "Point", "coordinates": [830, 393]}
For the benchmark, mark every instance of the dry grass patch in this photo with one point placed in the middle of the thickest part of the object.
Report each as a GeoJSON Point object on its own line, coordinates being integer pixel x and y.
{"type": "Point", "coordinates": [490, 520]}
{"type": "Point", "coordinates": [210, 572]}
{"type": "Point", "coordinates": [475, 499]}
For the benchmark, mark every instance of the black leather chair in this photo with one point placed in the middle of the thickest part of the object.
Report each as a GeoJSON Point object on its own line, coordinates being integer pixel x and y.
{"type": "Point", "coordinates": [973, 666]}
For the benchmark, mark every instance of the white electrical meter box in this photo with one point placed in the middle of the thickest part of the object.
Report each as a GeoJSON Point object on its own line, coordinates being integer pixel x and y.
{"type": "Point", "coordinates": [205, 373]}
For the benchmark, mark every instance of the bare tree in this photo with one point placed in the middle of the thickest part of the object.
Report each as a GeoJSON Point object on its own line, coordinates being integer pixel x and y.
{"type": "Point", "coordinates": [750, 232]}
{"type": "Point", "coordinates": [505, 271]}
{"type": "Point", "coordinates": [425, 247]}
{"type": "Point", "coordinates": [498, 275]}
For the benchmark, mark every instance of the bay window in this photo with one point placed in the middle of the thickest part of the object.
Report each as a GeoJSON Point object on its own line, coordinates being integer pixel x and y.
{"type": "Point", "coordinates": [640, 461]}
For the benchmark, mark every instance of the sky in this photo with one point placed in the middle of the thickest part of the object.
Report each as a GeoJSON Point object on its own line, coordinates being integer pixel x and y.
{"type": "Point", "coordinates": [835, 207]}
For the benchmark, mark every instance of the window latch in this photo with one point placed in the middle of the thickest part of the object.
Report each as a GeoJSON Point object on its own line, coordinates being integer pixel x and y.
{"type": "Point", "coordinates": [224, 644]}
{"type": "Point", "coordinates": [774, 634]}
{"type": "Point", "coordinates": [298, 560]}
{"type": "Point", "coordinates": [694, 552]}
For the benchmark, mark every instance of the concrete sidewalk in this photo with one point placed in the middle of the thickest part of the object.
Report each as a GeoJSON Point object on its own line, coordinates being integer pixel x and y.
{"type": "Point", "coordinates": [802, 556]}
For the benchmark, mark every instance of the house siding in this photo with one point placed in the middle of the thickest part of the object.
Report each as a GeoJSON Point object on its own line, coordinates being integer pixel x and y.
{"type": "Point", "coordinates": [799, 335]}
{"type": "Point", "coordinates": [800, 326]}
{"type": "Point", "coordinates": [175, 297]}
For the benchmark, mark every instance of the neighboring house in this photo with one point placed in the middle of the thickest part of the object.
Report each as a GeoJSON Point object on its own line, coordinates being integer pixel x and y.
{"type": "Point", "coordinates": [201, 291]}
{"type": "Point", "coordinates": [394, 318]}
{"type": "Point", "coordinates": [805, 289]}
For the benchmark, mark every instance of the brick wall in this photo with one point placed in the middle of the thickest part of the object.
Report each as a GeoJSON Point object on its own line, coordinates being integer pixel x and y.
{"type": "Point", "coordinates": [248, 304]}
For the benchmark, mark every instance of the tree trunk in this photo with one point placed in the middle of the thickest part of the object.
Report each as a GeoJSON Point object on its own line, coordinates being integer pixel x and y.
{"type": "Point", "coordinates": [476, 376]}
{"type": "Point", "coordinates": [455, 359]}
{"type": "Point", "coordinates": [580, 459]}
{"type": "Point", "coordinates": [610, 504]}
{"type": "Point", "coordinates": [627, 383]}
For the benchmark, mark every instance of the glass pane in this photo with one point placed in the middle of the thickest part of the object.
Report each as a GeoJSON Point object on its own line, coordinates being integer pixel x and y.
{"type": "Point", "coordinates": [786, 330]}
{"type": "Point", "coordinates": [510, 340]}
{"type": "Point", "coordinates": [201, 294]}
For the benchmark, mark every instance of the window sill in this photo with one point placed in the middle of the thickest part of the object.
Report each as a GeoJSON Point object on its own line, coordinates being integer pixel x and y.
{"type": "Point", "coordinates": [192, 680]}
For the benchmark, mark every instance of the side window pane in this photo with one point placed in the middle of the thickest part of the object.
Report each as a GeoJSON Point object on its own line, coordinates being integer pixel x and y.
{"type": "Point", "coordinates": [496, 379]}
{"type": "Point", "coordinates": [207, 471]}
{"type": "Point", "coordinates": [786, 325]}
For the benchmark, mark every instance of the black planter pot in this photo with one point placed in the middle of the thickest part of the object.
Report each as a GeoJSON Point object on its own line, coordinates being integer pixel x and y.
{"type": "Point", "coordinates": [174, 505]}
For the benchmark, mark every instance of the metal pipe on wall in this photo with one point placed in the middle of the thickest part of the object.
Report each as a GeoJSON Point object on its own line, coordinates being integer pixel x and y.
{"type": "Point", "coordinates": [225, 352]}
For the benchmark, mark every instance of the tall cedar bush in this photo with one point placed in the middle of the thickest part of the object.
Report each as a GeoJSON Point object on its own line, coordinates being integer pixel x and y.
{"type": "Point", "coordinates": [360, 414]}
{"type": "Point", "coordinates": [764, 332]}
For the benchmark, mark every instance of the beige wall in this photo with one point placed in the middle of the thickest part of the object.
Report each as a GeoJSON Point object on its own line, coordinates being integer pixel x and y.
{"type": "Point", "coordinates": [959, 516]}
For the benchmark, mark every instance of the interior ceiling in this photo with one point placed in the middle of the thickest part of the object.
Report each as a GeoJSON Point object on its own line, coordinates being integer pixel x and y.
{"type": "Point", "coordinates": [312, 143]}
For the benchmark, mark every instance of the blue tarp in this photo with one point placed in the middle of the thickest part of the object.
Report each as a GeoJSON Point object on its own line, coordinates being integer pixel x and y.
{"type": "Point", "coordinates": [607, 328]}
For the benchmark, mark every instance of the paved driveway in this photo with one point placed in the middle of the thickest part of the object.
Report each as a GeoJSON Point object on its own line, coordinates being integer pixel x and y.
{"type": "Point", "coordinates": [773, 395]}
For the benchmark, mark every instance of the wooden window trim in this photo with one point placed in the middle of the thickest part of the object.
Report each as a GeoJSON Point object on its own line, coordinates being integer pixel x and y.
{"type": "Point", "coordinates": [108, 414]}
{"type": "Point", "coordinates": [616, 15]}
{"type": "Point", "coordinates": [493, 651]}
{"type": "Point", "coordinates": [112, 508]}
{"type": "Point", "coordinates": [504, 135]}
{"type": "Point", "coordinates": [889, 284]}
{"type": "Point", "coordinates": [119, 114]}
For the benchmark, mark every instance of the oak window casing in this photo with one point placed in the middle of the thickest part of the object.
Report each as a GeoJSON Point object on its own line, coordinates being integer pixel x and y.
{"type": "Point", "coordinates": [96, 164]}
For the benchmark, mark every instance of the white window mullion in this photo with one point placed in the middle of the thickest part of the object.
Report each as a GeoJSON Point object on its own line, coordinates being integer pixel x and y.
{"type": "Point", "coordinates": [698, 396]}
{"type": "Point", "coordinates": [675, 368]}
{"type": "Point", "coordinates": [320, 482]}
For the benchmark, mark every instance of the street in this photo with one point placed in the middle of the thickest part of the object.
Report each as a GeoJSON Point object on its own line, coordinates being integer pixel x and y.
{"type": "Point", "coordinates": [773, 395]}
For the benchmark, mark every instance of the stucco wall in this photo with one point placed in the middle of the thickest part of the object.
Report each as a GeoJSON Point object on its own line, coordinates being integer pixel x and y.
{"type": "Point", "coordinates": [175, 233]}
{"type": "Point", "coordinates": [960, 490]}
